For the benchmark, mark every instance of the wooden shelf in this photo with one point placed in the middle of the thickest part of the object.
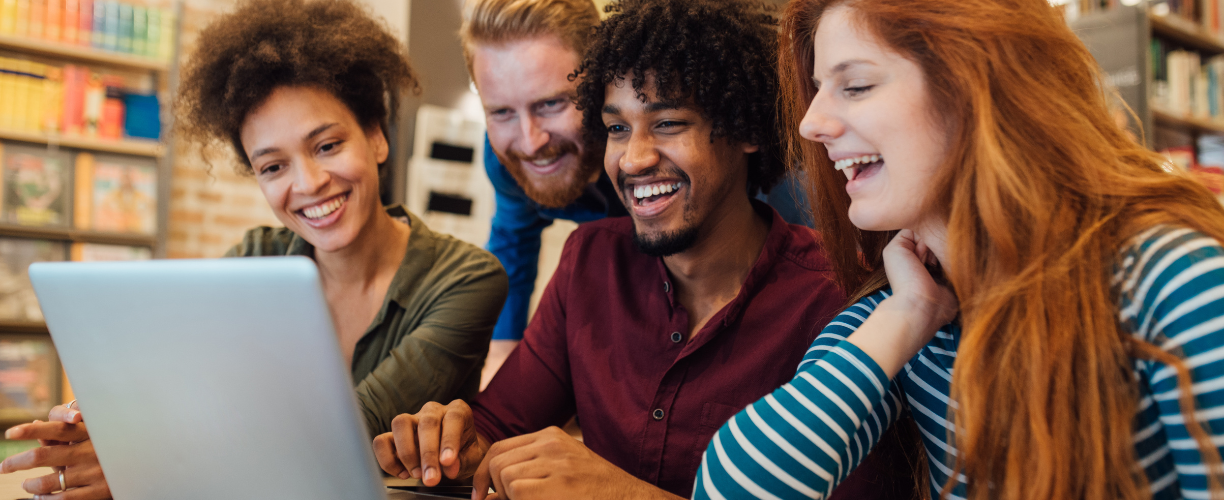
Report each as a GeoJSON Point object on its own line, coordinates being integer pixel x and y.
{"type": "Point", "coordinates": [25, 327]}
{"type": "Point", "coordinates": [82, 53]}
{"type": "Point", "coordinates": [77, 235]}
{"type": "Point", "coordinates": [1187, 33]}
{"type": "Point", "coordinates": [1188, 123]}
{"type": "Point", "coordinates": [127, 146]}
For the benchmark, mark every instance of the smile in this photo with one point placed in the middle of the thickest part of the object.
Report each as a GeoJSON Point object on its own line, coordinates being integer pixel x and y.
{"type": "Point", "coordinates": [653, 198]}
{"type": "Point", "coordinates": [325, 208]}
{"type": "Point", "coordinates": [859, 166]}
{"type": "Point", "coordinates": [544, 166]}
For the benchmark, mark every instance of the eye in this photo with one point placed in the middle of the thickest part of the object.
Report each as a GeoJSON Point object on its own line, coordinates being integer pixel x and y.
{"type": "Point", "coordinates": [858, 91]}
{"type": "Point", "coordinates": [270, 169]}
{"type": "Point", "coordinates": [671, 124]}
{"type": "Point", "coordinates": [616, 129]}
{"type": "Point", "coordinates": [329, 147]}
{"type": "Point", "coordinates": [552, 103]}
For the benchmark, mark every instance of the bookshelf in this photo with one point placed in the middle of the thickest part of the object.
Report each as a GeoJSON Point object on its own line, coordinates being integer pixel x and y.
{"type": "Point", "coordinates": [88, 163]}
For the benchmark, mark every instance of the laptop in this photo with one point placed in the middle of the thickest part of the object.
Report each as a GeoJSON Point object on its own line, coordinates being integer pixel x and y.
{"type": "Point", "coordinates": [207, 379]}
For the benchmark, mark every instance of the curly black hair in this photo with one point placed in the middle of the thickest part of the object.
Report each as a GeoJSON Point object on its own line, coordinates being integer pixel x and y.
{"type": "Point", "coordinates": [721, 55]}
{"type": "Point", "coordinates": [243, 56]}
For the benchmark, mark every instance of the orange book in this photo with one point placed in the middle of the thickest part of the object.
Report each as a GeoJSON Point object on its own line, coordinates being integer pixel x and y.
{"type": "Point", "coordinates": [85, 22]}
{"type": "Point", "coordinates": [53, 25]}
{"type": "Point", "coordinates": [71, 20]}
{"type": "Point", "coordinates": [74, 99]}
{"type": "Point", "coordinates": [38, 18]}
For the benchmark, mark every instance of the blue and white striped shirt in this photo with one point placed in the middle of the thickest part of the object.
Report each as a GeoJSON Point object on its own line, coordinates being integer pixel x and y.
{"type": "Point", "coordinates": [807, 436]}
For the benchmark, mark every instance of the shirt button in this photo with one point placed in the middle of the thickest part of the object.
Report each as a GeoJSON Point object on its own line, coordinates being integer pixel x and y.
{"type": "Point", "coordinates": [676, 337]}
{"type": "Point", "coordinates": [666, 287]}
{"type": "Point", "coordinates": [658, 414]}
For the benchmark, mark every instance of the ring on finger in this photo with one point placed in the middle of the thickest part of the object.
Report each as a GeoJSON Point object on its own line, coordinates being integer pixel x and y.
{"type": "Point", "coordinates": [63, 485]}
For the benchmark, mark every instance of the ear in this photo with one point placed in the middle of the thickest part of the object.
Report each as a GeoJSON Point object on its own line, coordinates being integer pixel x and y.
{"type": "Point", "coordinates": [379, 141]}
{"type": "Point", "coordinates": [749, 148]}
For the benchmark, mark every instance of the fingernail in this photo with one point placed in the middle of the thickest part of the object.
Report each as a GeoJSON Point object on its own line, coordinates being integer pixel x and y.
{"type": "Point", "coordinates": [72, 414]}
{"type": "Point", "coordinates": [8, 434]}
{"type": "Point", "coordinates": [448, 454]}
{"type": "Point", "coordinates": [431, 473]}
{"type": "Point", "coordinates": [404, 475]}
{"type": "Point", "coordinates": [416, 473]}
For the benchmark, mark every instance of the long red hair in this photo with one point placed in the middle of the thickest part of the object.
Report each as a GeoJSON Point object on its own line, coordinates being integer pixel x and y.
{"type": "Point", "coordinates": [1041, 191]}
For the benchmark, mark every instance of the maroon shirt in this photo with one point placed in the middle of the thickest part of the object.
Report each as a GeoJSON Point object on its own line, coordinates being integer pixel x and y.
{"type": "Point", "coordinates": [608, 344]}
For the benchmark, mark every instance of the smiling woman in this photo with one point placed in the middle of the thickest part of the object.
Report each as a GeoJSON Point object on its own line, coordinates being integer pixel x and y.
{"type": "Point", "coordinates": [303, 91]}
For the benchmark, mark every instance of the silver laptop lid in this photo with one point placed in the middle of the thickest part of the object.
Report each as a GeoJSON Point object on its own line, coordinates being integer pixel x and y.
{"type": "Point", "coordinates": [208, 379]}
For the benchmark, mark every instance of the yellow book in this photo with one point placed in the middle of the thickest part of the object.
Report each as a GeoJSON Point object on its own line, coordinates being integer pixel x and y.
{"type": "Point", "coordinates": [169, 25]}
{"type": "Point", "coordinates": [35, 112]}
{"type": "Point", "coordinates": [82, 194]}
{"type": "Point", "coordinates": [8, 92]}
{"type": "Point", "coordinates": [8, 17]}
{"type": "Point", "coordinates": [21, 95]}
{"type": "Point", "coordinates": [22, 28]}
{"type": "Point", "coordinates": [53, 100]}
{"type": "Point", "coordinates": [1, 176]}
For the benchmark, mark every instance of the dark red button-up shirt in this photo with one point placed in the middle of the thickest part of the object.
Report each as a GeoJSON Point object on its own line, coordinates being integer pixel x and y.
{"type": "Point", "coordinates": [608, 344]}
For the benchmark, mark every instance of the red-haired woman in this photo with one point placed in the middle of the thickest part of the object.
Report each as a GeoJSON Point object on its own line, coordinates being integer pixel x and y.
{"type": "Point", "coordinates": [1006, 225]}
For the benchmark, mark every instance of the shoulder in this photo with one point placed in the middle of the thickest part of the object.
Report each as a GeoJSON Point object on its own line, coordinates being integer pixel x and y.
{"type": "Point", "coordinates": [1169, 279]}
{"type": "Point", "coordinates": [804, 248]}
{"type": "Point", "coordinates": [263, 241]}
{"type": "Point", "coordinates": [453, 255]}
{"type": "Point", "coordinates": [615, 231]}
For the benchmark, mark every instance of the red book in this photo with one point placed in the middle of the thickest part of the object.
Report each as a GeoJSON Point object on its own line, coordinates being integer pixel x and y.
{"type": "Point", "coordinates": [85, 23]}
{"type": "Point", "coordinates": [74, 99]}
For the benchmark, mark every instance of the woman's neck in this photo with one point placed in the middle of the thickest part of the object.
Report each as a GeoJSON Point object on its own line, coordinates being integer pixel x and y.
{"type": "Point", "coordinates": [379, 248]}
{"type": "Point", "coordinates": [934, 234]}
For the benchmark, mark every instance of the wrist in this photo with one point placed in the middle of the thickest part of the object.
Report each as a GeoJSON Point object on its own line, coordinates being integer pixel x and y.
{"type": "Point", "coordinates": [893, 334]}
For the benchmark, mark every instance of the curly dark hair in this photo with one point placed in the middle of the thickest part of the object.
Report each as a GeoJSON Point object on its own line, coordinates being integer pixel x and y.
{"type": "Point", "coordinates": [334, 45]}
{"type": "Point", "coordinates": [721, 55]}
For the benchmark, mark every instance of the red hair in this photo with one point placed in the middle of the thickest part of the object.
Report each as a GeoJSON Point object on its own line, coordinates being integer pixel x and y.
{"type": "Point", "coordinates": [1041, 191]}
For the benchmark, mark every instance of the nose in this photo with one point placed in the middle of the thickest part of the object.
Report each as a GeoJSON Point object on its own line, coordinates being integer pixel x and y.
{"type": "Point", "coordinates": [820, 124]}
{"type": "Point", "coordinates": [534, 137]}
{"type": "Point", "coordinates": [311, 178]}
{"type": "Point", "coordinates": [640, 154]}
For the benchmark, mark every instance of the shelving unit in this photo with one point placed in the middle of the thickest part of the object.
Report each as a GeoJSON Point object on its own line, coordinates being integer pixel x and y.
{"type": "Point", "coordinates": [164, 75]}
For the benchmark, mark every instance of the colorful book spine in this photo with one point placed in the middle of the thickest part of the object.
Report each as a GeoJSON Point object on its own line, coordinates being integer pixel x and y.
{"type": "Point", "coordinates": [85, 23]}
{"type": "Point", "coordinates": [110, 28]}
{"type": "Point", "coordinates": [95, 95]}
{"type": "Point", "coordinates": [72, 20]}
{"type": "Point", "coordinates": [111, 124]}
{"type": "Point", "coordinates": [34, 109]}
{"type": "Point", "coordinates": [74, 99]}
{"type": "Point", "coordinates": [23, 14]}
{"type": "Point", "coordinates": [140, 29]}
{"type": "Point", "coordinates": [53, 100]}
{"type": "Point", "coordinates": [8, 17]}
{"type": "Point", "coordinates": [168, 28]}
{"type": "Point", "coordinates": [38, 17]}
{"type": "Point", "coordinates": [83, 188]}
{"type": "Point", "coordinates": [21, 95]}
{"type": "Point", "coordinates": [53, 26]}
{"type": "Point", "coordinates": [8, 92]}
{"type": "Point", "coordinates": [125, 28]}
{"type": "Point", "coordinates": [153, 35]}
{"type": "Point", "coordinates": [98, 29]}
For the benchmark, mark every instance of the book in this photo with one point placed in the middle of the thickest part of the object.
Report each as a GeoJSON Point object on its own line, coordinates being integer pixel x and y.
{"type": "Point", "coordinates": [22, 28]}
{"type": "Point", "coordinates": [71, 21]}
{"type": "Point", "coordinates": [110, 126]}
{"type": "Point", "coordinates": [110, 25]}
{"type": "Point", "coordinates": [97, 27]}
{"type": "Point", "coordinates": [124, 197]}
{"type": "Point", "coordinates": [74, 99]}
{"type": "Point", "coordinates": [36, 183]}
{"type": "Point", "coordinates": [17, 300]}
{"type": "Point", "coordinates": [8, 17]}
{"type": "Point", "coordinates": [94, 95]}
{"type": "Point", "coordinates": [96, 252]}
{"type": "Point", "coordinates": [82, 191]}
{"type": "Point", "coordinates": [29, 378]}
{"type": "Point", "coordinates": [53, 100]}
{"type": "Point", "coordinates": [125, 28]}
{"type": "Point", "coordinates": [153, 32]}
{"type": "Point", "coordinates": [85, 23]}
{"type": "Point", "coordinates": [8, 93]}
{"type": "Point", "coordinates": [168, 28]}
{"type": "Point", "coordinates": [53, 25]}
{"type": "Point", "coordinates": [38, 18]}
{"type": "Point", "coordinates": [140, 29]}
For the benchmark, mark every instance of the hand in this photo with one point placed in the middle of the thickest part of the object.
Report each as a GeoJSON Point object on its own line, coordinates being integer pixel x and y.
{"type": "Point", "coordinates": [65, 445]}
{"type": "Point", "coordinates": [551, 464]}
{"type": "Point", "coordinates": [931, 304]}
{"type": "Point", "coordinates": [412, 447]}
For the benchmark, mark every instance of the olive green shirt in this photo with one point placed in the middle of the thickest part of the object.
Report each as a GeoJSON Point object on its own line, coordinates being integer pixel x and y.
{"type": "Point", "coordinates": [429, 339]}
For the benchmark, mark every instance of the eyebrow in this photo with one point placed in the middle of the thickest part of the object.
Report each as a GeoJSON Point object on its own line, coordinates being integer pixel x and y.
{"type": "Point", "coordinates": [652, 107]}
{"type": "Point", "coordinates": [564, 95]}
{"type": "Point", "coordinates": [318, 130]}
{"type": "Point", "coordinates": [845, 65]}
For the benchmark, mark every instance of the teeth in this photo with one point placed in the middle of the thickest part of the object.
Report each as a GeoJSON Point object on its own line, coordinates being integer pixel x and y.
{"type": "Point", "coordinates": [641, 192]}
{"type": "Point", "coordinates": [544, 161]}
{"type": "Point", "coordinates": [849, 162]}
{"type": "Point", "coordinates": [324, 209]}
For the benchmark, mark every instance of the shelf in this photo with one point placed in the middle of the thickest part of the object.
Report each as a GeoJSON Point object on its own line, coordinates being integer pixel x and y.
{"type": "Point", "coordinates": [136, 147]}
{"type": "Point", "coordinates": [1188, 123]}
{"type": "Point", "coordinates": [26, 327]}
{"type": "Point", "coordinates": [1187, 33]}
{"type": "Point", "coordinates": [78, 235]}
{"type": "Point", "coordinates": [82, 53]}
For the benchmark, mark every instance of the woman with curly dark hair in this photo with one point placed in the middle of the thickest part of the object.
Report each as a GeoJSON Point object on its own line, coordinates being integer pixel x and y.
{"type": "Point", "coordinates": [302, 91]}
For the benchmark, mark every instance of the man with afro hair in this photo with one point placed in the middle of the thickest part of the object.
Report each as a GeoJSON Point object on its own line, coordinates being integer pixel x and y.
{"type": "Point", "coordinates": [657, 327]}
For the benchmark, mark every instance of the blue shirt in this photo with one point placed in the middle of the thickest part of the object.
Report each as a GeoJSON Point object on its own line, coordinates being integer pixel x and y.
{"type": "Point", "coordinates": [515, 237]}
